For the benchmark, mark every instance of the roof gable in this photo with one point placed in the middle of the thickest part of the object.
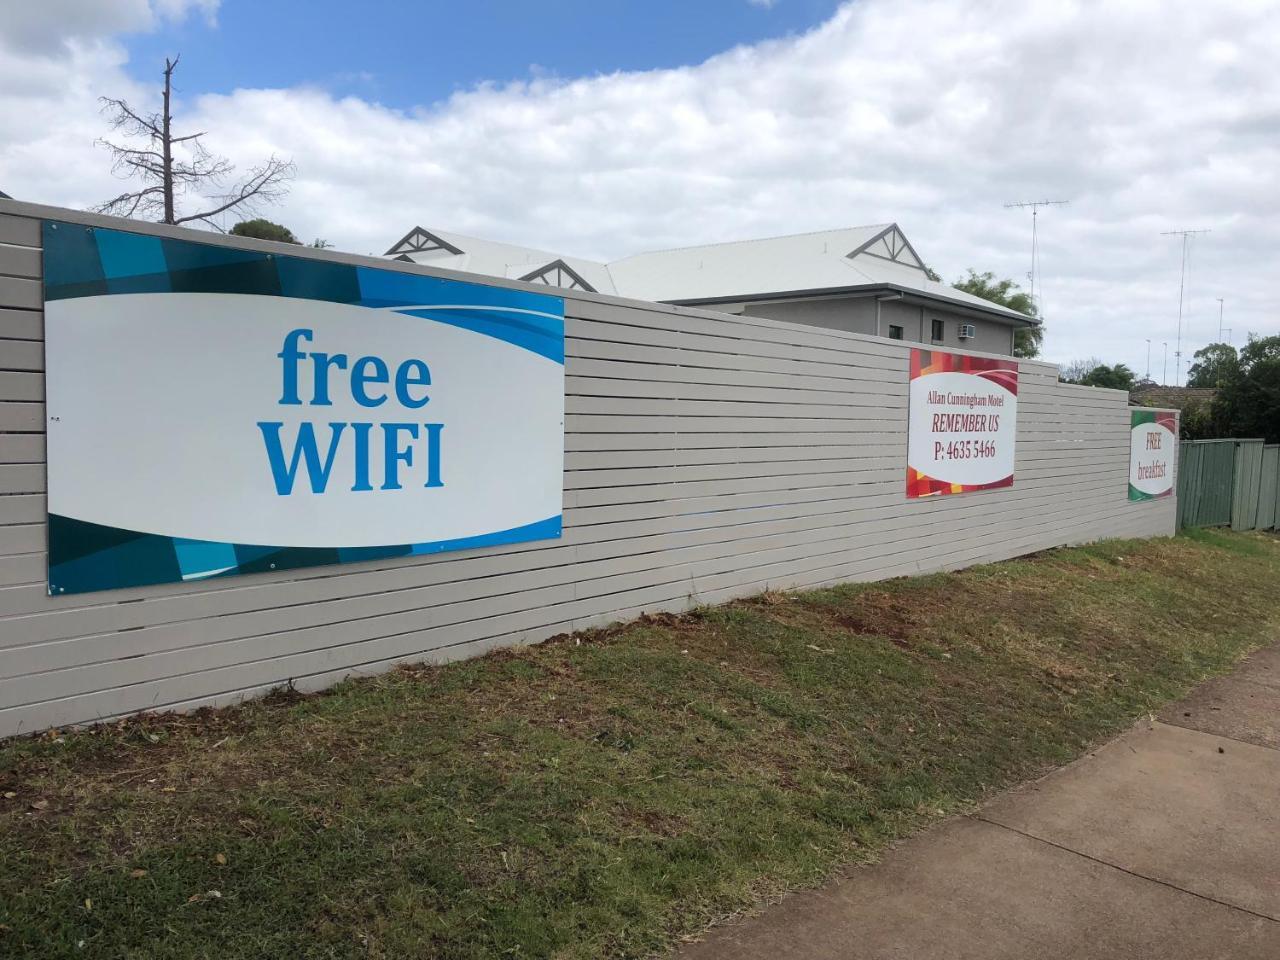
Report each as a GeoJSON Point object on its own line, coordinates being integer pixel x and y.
{"type": "Point", "coordinates": [419, 240]}
{"type": "Point", "coordinates": [890, 245]}
{"type": "Point", "coordinates": [557, 273]}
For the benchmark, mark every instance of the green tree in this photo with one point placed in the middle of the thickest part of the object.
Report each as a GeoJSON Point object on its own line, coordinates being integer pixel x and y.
{"type": "Point", "coordinates": [1248, 402]}
{"type": "Point", "coordinates": [261, 229]}
{"type": "Point", "coordinates": [1197, 422]}
{"type": "Point", "coordinates": [1215, 365]}
{"type": "Point", "coordinates": [1026, 340]}
{"type": "Point", "coordinates": [1119, 377]}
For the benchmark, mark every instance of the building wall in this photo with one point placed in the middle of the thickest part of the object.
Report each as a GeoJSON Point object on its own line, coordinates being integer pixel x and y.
{"type": "Point", "coordinates": [851, 314]}
{"type": "Point", "coordinates": [706, 457]}
{"type": "Point", "coordinates": [858, 315]}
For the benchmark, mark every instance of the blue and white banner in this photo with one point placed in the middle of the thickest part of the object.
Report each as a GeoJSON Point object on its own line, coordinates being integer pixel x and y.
{"type": "Point", "coordinates": [216, 411]}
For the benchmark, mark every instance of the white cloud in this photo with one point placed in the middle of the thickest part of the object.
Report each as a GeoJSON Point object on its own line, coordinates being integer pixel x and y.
{"type": "Point", "coordinates": [44, 25]}
{"type": "Point", "coordinates": [57, 57]}
{"type": "Point", "coordinates": [1148, 116]}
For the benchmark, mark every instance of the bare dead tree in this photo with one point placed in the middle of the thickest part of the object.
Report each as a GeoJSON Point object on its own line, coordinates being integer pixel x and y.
{"type": "Point", "coordinates": [168, 176]}
{"type": "Point", "coordinates": [1073, 371]}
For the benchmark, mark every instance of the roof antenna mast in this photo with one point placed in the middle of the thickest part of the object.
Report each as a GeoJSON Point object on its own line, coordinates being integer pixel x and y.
{"type": "Point", "coordinates": [1035, 206]}
{"type": "Point", "coordinates": [1186, 236]}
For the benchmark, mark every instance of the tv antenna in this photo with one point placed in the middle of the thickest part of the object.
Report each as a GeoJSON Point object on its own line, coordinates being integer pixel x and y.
{"type": "Point", "coordinates": [1035, 206]}
{"type": "Point", "coordinates": [1186, 236]}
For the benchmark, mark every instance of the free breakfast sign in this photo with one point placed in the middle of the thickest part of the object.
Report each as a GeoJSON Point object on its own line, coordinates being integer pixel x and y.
{"type": "Point", "coordinates": [1153, 440]}
{"type": "Point", "coordinates": [962, 423]}
{"type": "Point", "coordinates": [215, 411]}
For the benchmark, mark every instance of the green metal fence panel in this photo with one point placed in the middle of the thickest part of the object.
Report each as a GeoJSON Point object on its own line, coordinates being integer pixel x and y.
{"type": "Point", "coordinates": [1188, 483]}
{"type": "Point", "coordinates": [1218, 481]}
{"type": "Point", "coordinates": [1267, 487]}
{"type": "Point", "coordinates": [1206, 476]}
{"type": "Point", "coordinates": [1248, 485]}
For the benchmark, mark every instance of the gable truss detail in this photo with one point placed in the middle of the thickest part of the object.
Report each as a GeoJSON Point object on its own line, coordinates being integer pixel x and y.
{"type": "Point", "coordinates": [418, 240]}
{"type": "Point", "coordinates": [890, 245]}
{"type": "Point", "coordinates": [557, 273]}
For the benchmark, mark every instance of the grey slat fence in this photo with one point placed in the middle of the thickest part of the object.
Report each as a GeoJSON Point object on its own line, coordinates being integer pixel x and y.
{"type": "Point", "coordinates": [707, 456]}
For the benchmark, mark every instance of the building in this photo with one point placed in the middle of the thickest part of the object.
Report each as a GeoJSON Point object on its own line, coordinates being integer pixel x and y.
{"type": "Point", "coordinates": [1188, 400]}
{"type": "Point", "coordinates": [862, 279]}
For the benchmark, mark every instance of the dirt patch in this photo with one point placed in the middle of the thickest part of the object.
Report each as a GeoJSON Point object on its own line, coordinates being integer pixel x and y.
{"type": "Point", "coordinates": [657, 822]}
{"type": "Point", "coordinates": [881, 615]}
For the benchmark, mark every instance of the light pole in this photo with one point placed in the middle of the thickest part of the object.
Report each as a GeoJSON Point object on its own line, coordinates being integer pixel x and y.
{"type": "Point", "coordinates": [1148, 376]}
{"type": "Point", "coordinates": [1220, 340]}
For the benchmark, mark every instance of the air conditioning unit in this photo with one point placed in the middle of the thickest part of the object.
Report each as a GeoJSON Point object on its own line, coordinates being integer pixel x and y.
{"type": "Point", "coordinates": [967, 331]}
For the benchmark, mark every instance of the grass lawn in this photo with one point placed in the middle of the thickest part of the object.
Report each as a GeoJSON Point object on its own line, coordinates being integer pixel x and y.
{"type": "Point", "coordinates": [603, 794]}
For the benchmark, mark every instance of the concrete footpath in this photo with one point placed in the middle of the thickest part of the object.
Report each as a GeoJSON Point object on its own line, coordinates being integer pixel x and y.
{"type": "Point", "coordinates": [1164, 843]}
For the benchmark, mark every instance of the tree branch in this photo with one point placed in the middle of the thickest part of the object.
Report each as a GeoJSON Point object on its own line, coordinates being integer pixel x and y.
{"type": "Point", "coordinates": [141, 166]}
{"type": "Point", "coordinates": [125, 116]}
{"type": "Point", "coordinates": [264, 182]}
{"type": "Point", "coordinates": [118, 150]}
{"type": "Point", "coordinates": [130, 202]}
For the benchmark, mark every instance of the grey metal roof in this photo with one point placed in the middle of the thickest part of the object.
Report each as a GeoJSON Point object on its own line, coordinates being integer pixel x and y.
{"type": "Point", "coordinates": [850, 260]}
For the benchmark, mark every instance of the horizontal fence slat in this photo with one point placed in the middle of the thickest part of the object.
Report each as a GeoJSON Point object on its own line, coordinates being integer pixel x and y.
{"type": "Point", "coordinates": [18, 384]}
{"type": "Point", "coordinates": [22, 448]}
{"type": "Point", "coordinates": [16, 354]}
{"type": "Point", "coordinates": [19, 292]}
{"type": "Point", "coordinates": [21, 477]}
{"type": "Point", "coordinates": [21, 324]}
{"type": "Point", "coordinates": [21, 417]}
{"type": "Point", "coordinates": [22, 509]}
{"type": "Point", "coordinates": [18, 261]}
{"type": "Point", "coordinates": [19, 231]}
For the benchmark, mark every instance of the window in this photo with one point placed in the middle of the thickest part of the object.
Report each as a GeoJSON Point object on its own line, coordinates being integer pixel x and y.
{"type": "Point", "coordinates": [939, 331]}
{"type": "Point", "coordinates": [895, 332]}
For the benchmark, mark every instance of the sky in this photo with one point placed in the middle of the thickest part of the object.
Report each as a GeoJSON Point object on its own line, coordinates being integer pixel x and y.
{"type": "Point", "coordinates": [605, 128]}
